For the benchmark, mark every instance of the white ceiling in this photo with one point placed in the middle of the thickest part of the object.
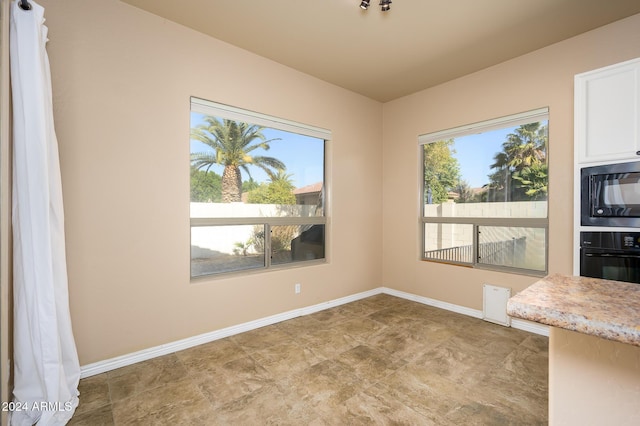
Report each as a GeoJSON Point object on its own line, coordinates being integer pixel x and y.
{"type": "Point", "coordinates": [415, 45]}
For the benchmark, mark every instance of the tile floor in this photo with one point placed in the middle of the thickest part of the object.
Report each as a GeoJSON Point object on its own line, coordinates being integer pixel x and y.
{"type": "Point", "coordinates": [380, 360]}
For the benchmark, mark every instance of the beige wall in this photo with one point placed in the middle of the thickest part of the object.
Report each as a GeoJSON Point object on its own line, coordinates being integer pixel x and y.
{"type": "Point", "coordinates": [543, 78]}
{"type": "Point", "coordinates": [592, 381]}
{"type": "Point", "coordinates": [122, 79]}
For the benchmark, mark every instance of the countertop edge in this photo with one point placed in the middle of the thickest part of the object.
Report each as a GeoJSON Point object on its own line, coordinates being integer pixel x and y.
{"type": "Point", "coordinates": [559, 301]}
{"type": "Point", "coordinates": [572, 322]}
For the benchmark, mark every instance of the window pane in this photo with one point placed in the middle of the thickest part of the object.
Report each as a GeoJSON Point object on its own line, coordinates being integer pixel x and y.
{"type": "Point", "coordinates": [295, 243]}
{"type": "Point", "coordinates": [492, 172]}
{"type": "Point", "coordinates": [217, 249]}
{"type": "Point", "coordinates": [448, 242]}
{"type": "Point", "coordinates": [498, 173]}
{"type": "Point", "coordinates": [243, 170]}
{"type": "Point", "coordinates": [512, 246]}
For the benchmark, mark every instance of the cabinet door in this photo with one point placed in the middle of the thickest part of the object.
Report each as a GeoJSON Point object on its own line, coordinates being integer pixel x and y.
{"type": "Point", "coordinates": [607, 109]}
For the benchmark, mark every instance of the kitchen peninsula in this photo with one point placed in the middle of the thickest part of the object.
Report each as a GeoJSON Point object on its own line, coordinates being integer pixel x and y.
{"type": "Point", "coordinates": [594, 347]}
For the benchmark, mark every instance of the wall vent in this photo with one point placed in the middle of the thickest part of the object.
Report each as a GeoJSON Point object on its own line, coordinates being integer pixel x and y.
{"type": "Point", "coordinates": [495, 304]}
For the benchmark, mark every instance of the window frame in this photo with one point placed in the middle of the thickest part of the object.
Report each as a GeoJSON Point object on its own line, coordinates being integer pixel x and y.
{"type": "Point", "coordinates": [219, 110]}
{"type": "Point", "coordinates": [540, 114]}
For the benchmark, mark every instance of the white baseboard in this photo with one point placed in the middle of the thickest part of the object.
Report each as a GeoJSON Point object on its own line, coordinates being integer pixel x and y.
{"type": "Point", "coordinates": [520, 324]}
{"type": "Point", "coordinates": [433, 302]}
{"type": "Point", "coordinates": [531, 327]}
{"type": "Point", "coordinates": [154, 352]}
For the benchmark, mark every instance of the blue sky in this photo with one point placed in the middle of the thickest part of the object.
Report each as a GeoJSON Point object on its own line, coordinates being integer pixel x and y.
{"type": "Point", "coordinates": [475, 154]}
{"type": "Point", "coordinates": [303, 155]}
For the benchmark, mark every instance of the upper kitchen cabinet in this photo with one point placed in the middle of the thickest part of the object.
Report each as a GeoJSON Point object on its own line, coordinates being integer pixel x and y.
{"type": "Point", "coordinates": [607, 113]}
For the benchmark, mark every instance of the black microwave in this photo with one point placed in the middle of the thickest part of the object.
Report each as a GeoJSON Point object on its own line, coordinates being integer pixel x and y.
{"type": "Point", "coordinates": [610, 195]}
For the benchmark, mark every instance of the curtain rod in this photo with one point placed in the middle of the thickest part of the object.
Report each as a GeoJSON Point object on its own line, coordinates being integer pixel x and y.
{"type": "Point", "coordinates": [24, 5]}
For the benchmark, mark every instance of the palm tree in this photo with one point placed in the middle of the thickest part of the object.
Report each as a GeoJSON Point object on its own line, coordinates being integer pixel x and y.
{"type": "Point", "coordinates": [279, 190]}
{"type": "Point", "coordinates": [499, 179]}
{"type": "Point", "coordinates": [232, 143]}
{"type": "Point", "coordinates": [522, 150]}
{"type": "Point", "coordinates": [282, 176]}
{"type": "Point", "coordinates": [526, 147]}
{"type": "Point", "coordinates": [534, 180]}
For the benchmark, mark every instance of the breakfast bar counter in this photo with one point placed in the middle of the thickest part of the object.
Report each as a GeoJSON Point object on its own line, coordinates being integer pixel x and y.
{"type": "Point", "coordinates": [597, 307]}
{"type": "Point", "coordinates": [594, 347]}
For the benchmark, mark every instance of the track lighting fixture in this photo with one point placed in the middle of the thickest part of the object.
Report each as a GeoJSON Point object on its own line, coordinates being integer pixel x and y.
{"type": "Point", "coordinates": [384, 4]}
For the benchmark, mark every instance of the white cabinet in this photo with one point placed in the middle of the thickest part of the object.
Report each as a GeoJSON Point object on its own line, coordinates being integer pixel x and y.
{"type": "Point", "coordinates": [606, 129]}
{"type": "Point", "coordinates": [607, 114]}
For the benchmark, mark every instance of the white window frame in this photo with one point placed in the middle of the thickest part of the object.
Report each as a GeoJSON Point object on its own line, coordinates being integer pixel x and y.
{"type": "Point", "coordinates": [215, 109]}
{"type": "Point", "coordinates": [540, 114]}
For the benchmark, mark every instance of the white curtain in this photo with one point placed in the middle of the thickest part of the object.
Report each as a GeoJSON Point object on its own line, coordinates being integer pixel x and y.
{"type": "Point", "coordinates": [45, 360]}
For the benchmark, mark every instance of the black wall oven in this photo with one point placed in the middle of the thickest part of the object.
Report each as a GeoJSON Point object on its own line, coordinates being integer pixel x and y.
{"type": "Point", "coordinates": [610, 255]}
{"type": "Point", "coordinates": [610, 195]}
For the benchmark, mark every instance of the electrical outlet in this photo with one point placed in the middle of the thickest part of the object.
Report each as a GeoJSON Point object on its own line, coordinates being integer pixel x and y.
{"type": "Point", "coordinates": [297, 288]}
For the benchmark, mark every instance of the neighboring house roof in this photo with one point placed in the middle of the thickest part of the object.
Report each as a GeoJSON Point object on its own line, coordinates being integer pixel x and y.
{"type": "Point", "coordinates": [314, 187]}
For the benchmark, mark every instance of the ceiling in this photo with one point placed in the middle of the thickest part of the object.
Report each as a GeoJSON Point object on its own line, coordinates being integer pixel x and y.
{"type": "Point", "coordinates": [416, 45]}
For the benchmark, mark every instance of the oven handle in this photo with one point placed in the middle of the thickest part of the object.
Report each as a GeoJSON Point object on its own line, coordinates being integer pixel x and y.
{"type": "Point", "coordinates": [624, 256]}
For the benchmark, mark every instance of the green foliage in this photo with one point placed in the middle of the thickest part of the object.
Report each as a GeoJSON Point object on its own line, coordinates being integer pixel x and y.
{"type": "Point", "coordinates": [249, 185]}
{"type": "Point", "coordinates": [232, 144]}
{"type": "Point", "coordinates": [281, 237]}
{"type": "Point", "coordinates": [257, 239]}
{"type": "Point", "coordinates": [278, 191]}
{"type": "Point", "coordinates": [533, 180]}
{"type": "Point", "coordinates": [520, 169]}
{"type": "Point", "coordinates": [242, 248]}
{"type": "Point", "coordinates": [441, 170]}
{"type": "Point", "coordinates": [465, 193]}
{"type": "Point", "coordinates": [206, 187]}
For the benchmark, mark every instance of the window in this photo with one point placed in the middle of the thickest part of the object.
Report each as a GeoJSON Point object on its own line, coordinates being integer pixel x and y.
{"type": "Point", "coordinates": [484, 194]}
{"type": "Point", "coordinates": [257, 191]}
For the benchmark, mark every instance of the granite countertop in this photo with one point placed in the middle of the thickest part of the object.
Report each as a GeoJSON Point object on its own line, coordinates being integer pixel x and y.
{"type": "Point", "coordinates": [602, 308]}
